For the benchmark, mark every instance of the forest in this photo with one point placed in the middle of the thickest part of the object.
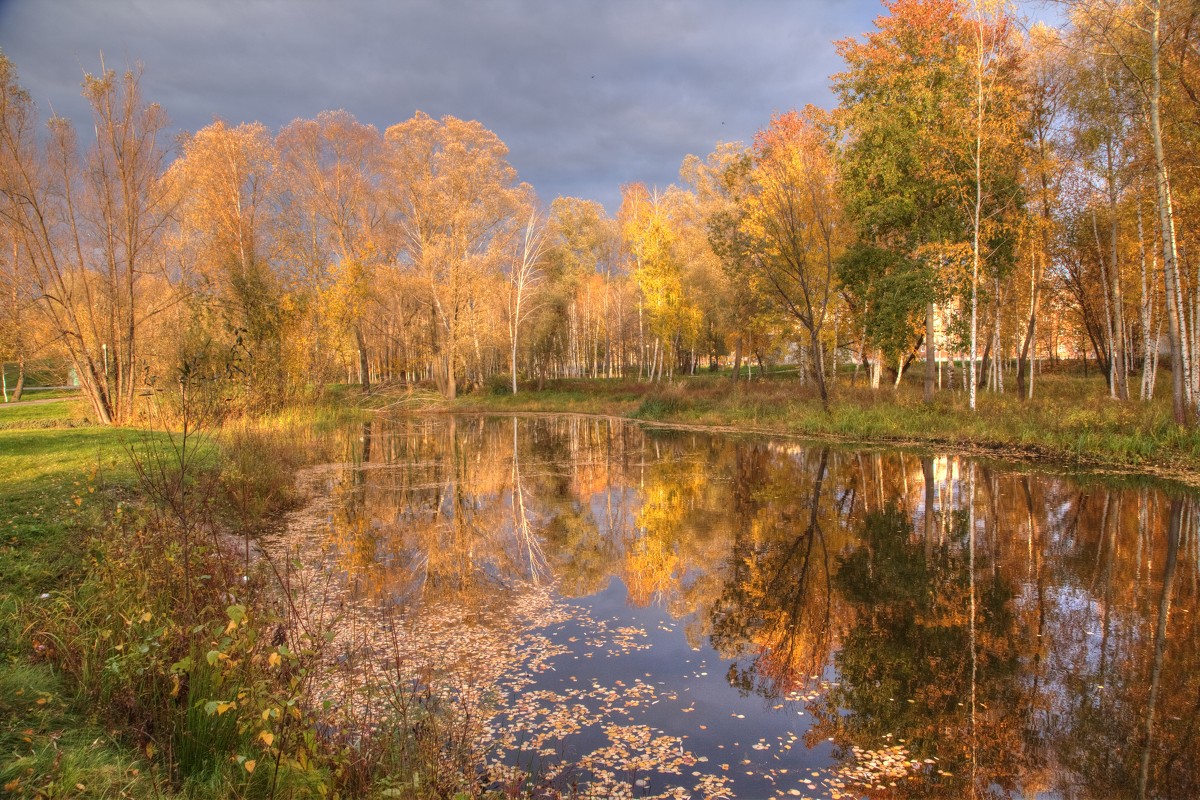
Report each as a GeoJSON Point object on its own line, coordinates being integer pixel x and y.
{"type": "Point", "coordinates": [985, 200]}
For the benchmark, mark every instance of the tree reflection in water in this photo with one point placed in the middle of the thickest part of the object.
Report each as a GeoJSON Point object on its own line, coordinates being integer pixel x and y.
{"type": "Point", "coordinates": [954, 628]}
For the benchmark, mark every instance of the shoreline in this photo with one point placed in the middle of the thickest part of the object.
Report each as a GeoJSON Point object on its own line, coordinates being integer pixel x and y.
{"type": "Point", "coordinates": [1046, 456]}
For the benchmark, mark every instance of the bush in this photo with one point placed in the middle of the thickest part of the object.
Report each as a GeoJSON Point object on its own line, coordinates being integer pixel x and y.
{"type": "Point", "coordinates": [499, 385]}
{"type": "Point", "coordinates": [665, 402]}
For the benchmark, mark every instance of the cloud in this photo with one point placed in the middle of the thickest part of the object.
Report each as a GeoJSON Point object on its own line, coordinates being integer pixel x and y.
{"type": "Point", "coordinates": [587, 94]}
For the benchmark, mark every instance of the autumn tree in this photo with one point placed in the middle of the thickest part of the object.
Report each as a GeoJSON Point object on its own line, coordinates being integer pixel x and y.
{"type": "Point", "coordinates": [16, 335]}
{"type": "Point", "coordinates": [927, 101]}
{"type": "Point", "coordinates": [89, 226]}
{"type": "Point", "coordinates": [722, 185]}
{"type": "Point", "coordinates": [1102, 113]}
{"type": "Point", "coordinates": [798, 221]}
{"type": "Point", "coordinates": [651, 238]}
{"type": "Point", "coordinates": [579, 325]}
{"type": "Point", "coordinates": [454, 200]}
{"type": "Point", "coordinates": [898, 164]}
{"type": "Point", "coordinates": [332, 169]}
{"type": "Point", "coordinates": [226, 185]}
{"type": "Point", "coordinates": [1045, 86]}
{"type": "Point", "coordinates": [525, 276]}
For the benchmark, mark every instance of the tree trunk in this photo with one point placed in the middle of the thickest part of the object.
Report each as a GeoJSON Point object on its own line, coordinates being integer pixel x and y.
{"type": "Point", "coordinates": [998, 361]}
{"type": "Point", "coordinates": [513, 363]}
{"type": "Point", "coordinates": [981, 375]}
{"type": "Point", "coordinates": [1120, 373]}
{"type": "Point", "coordinates": [1028, 344]}
{"type": "Point", "coordinates": [930, 352]}
{"type": "Point", "coordinates": [1175, 327]}
{"type": "Point", "coordinates": [364, 365]}
{"type": "Point", "coordinates": [19, 389]}
{"type": "Point", "coordinates": [448, 369]}
{"type": "Point", "coordinates": [818, 367]}
{"type": "Point", "coordinates": [1145, 312]}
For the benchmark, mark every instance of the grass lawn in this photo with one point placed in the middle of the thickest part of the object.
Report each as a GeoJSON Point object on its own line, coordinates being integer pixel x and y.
{"type": "Point", "coordinates": [60, 479]}
{"type": "Point", "coordinates": [42, 474]}
{"type": "Point", "coordinates": [59, 412]}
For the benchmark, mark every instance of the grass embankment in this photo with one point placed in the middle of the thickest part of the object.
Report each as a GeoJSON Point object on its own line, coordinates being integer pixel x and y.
{"type": "Point", "coordinates": [140, 654]}
{"type": "Point", "coordinates": [1071, 421]}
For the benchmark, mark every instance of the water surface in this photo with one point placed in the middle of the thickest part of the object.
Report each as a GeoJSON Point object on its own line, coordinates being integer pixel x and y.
{"type": "Point", "coordinates": [672, 614]}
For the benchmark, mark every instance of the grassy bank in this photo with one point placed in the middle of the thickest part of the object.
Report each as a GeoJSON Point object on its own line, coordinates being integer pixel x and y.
{"type": "Point", "coordinates": [141, 653]}
{"type": "Point", "coordinates": [56, 483]}
{"type": "Point", "coordinates": [1070, 421]}
{"type": "Point", "coordinates": [148, 648]}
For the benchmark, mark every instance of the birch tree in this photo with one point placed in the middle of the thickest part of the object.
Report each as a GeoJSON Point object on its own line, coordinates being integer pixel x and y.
{"type": "Point", "coordinates": [525, 275]}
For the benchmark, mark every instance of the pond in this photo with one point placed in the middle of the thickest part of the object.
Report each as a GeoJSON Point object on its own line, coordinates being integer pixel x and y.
{"type": "Point", "coordinates": [661, 613]}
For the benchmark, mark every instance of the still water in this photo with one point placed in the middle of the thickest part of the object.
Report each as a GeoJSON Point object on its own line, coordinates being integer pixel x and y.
{"type": "Point", "coordinates": [658, 613]}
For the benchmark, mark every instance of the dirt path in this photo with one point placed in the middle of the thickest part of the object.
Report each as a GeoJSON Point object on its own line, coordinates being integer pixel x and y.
{"type": "Point", "coordinates": [39, 402]}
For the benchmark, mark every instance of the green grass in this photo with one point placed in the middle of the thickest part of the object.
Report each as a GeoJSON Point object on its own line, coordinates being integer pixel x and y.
{"type": "Point", "coordinates": [61, 412]}
{"type": "Point", "coordinates": [54, 482]}
{"type": "Point", "coordinates": [47, 749]}
{"type": "Point", "coordinates": [42, 473]}
{"type": "Point", "coordinates": [46, 393]}
{"type": "Point", "coordinates": [58, 485]}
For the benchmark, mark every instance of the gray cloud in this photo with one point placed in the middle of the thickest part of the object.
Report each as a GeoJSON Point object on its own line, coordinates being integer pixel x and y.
{"type": "Point", "coordinates": [587, 94]}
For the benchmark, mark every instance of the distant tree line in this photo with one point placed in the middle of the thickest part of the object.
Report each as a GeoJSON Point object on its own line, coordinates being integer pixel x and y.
{"type": "Point", "coordinates": [984, 199]}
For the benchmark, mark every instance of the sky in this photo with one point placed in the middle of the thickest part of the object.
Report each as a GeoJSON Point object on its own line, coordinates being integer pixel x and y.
{"type": "Point", "coordinates": [587, 94]}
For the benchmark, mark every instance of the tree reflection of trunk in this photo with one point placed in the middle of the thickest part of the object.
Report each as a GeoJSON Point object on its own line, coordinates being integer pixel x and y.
{"type": "Point", "coordinates": [776, 602]}
{"type": "Point", "coordinates": [1110, 522]}
{"type": "Point", "coordinates": [927, 473]}
{"type": "Point", "coordinates": [366, 443]}
{"type": "Point", "coordinates": [1034, 727]}
{"type": "Point", "coordinates": [795, 585]}
{"type": "Point", "coordinates": [862, 475]}
{"type": "Point", "coordinates": [974, 649]}
{"type": "Point", "coordinates": [356, 507]}
{"type": "Point", "coordinates": [527, 541]}
{"type": "Point", "coordinates": [1160, 635]}
{"type": "Point", "coordinates": [1034, 558]}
